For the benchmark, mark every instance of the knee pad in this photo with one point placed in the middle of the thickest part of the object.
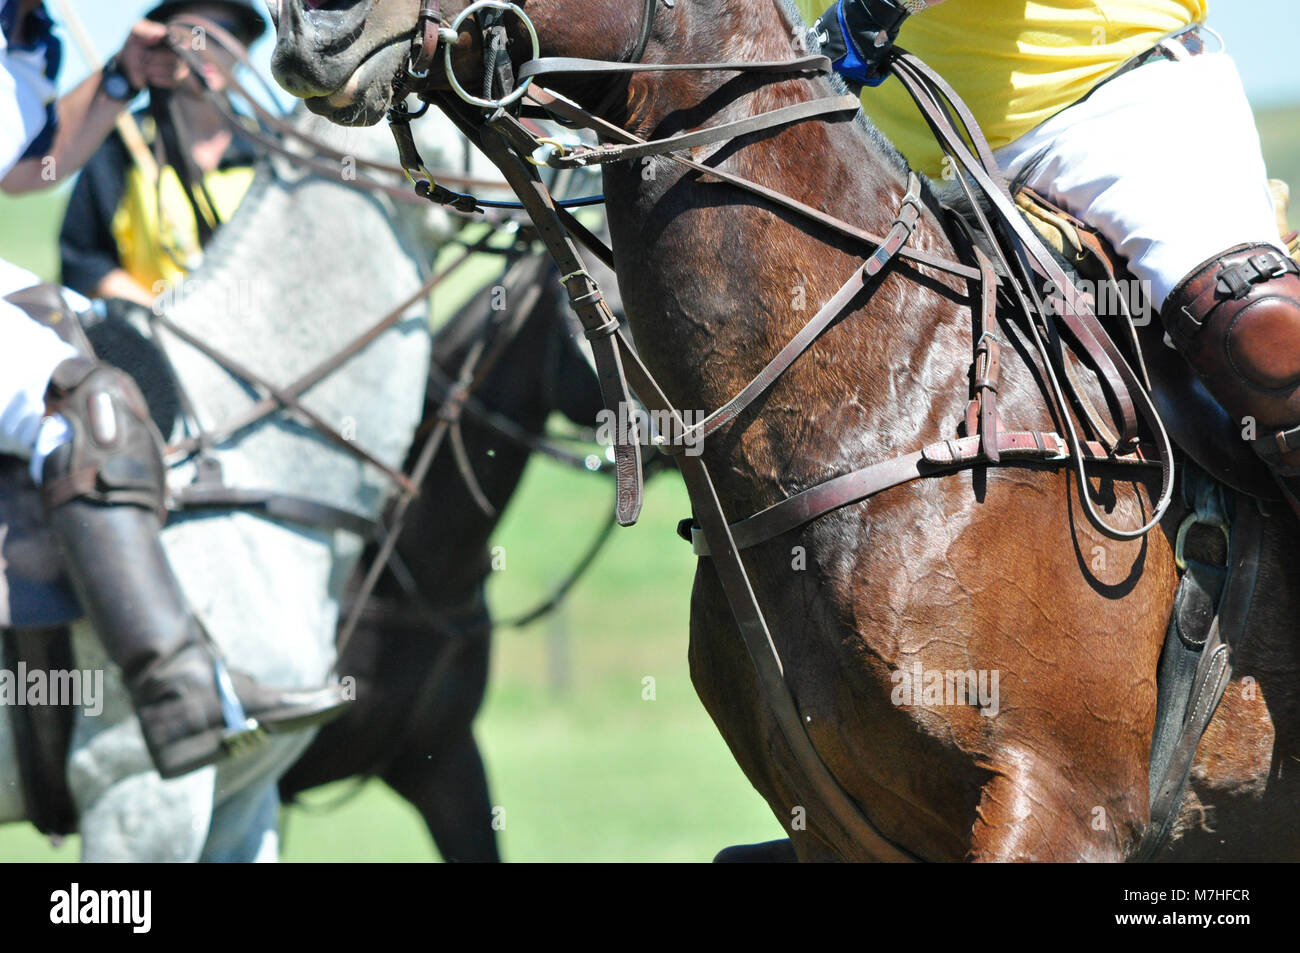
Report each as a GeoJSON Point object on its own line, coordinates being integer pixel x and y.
{"type": "Point", "coordinates": [1236, 318]}
{"type": "Point", "coordinates": [115, 456]}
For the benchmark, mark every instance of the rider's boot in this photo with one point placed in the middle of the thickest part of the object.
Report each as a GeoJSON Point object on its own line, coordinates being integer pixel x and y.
{"type": "Point", "coordinates": [1236, 318]}
{"type": "Point", "coordinates": [104, 495]}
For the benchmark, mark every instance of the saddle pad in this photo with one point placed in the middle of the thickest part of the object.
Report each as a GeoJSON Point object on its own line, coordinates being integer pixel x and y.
{"type": "Point", "coordinates": [34, 592]}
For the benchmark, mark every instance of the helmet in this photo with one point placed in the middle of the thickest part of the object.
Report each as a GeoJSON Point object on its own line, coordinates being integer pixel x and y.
{"type": "Point", "coordinates": [243, 15]}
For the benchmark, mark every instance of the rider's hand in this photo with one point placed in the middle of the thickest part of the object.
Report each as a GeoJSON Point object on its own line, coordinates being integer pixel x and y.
{"type": "Point", "coordinates": [857, 35]}
{"type": "Point", "coordinates": [148, 61]}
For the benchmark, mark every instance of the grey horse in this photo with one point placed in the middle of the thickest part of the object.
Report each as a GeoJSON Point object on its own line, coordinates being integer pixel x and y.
{"type": "Point", "coordinates": [268, 591]}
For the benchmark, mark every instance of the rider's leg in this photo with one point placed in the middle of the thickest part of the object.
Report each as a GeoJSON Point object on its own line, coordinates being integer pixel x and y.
{"type": "Point", "coordinates": [1236, 318]}
{"type": "Point", "coordinates": [104, 497]}
{"type": "Point", "coordinates": [1165, 162]}
{"type": "Point", "coordinates": [96, 452]}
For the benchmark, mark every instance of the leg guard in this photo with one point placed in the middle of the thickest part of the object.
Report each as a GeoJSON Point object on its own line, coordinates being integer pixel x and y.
{"type": "Point", "coordinates": [1236, 318]}
{"type": "Point", "coordinates": [104, 495]}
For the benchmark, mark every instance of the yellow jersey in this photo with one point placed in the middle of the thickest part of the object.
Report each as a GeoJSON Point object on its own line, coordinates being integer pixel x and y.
{"type": "Point", "coordinates": [1016, 63]}
{"type": "Point", "coordinates": [155, 231]}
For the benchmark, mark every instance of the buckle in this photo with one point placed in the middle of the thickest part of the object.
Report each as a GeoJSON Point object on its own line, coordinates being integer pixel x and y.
{"type": "Point", "coordinates": [244, 740]}
{"type": "Point", "coordinates": [1062, 451]}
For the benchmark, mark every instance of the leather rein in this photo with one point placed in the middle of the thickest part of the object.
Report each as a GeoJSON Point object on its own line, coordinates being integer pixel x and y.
{"type": "Point", "coordinates": [210, 491]}
{"type": "Point", "coordinates": [1018, 254]}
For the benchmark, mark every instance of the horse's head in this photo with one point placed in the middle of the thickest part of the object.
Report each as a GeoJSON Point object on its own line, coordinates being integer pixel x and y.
{"type": "Point", "coordinates": [345, 56]}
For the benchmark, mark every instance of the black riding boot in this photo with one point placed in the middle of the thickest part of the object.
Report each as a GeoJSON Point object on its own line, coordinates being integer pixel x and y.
{"type": "Point", "coordinates": [103, 495]}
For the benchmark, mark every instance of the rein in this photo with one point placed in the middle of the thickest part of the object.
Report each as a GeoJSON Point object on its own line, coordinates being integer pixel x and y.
{"type": "Point", "coordinates": [1018, 254]}
{"type": "Point", "coordinates": [210, 491]}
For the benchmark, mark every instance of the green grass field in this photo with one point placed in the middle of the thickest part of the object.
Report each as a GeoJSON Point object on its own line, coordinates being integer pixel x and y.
{"type": "Point", "coordinates": [583, 766]}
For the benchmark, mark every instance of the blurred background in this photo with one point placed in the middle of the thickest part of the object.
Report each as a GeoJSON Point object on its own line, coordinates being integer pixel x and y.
{"type": "Point", "coordinates": [584, 766]}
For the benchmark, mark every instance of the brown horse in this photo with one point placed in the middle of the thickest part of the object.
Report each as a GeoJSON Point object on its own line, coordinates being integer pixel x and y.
{"type": "Point", "coordinates": [993, 570]}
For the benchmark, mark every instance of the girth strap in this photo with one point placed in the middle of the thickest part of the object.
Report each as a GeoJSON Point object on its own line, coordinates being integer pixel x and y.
{"type": "Point", "coordinates": [937, 459]}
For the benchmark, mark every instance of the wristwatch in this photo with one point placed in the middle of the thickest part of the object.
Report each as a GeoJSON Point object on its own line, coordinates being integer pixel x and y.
{"type": "Point", "coordinates": [116, 84]}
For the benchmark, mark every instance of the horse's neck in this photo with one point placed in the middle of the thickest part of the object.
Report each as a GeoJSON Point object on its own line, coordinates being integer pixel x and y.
{"type": "Point", "coordinates": [282, 289]}
{"type": "Point", "coordinates": [715, 284]}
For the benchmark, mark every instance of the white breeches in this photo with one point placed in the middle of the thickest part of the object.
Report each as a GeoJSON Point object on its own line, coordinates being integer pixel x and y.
{"type": "Point", "coordinates": [1164, 161]}
{"type": "Point", "coordinates": [28, 355]}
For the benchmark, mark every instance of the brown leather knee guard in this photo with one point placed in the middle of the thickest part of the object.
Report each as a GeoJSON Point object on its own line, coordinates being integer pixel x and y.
{"type": "Point", "coordinates": [1236, 318]}
{"type": "Point", "coordinates": [115, 455]}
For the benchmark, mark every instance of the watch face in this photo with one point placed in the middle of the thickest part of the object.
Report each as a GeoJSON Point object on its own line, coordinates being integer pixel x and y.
{"type": "Point", "coordinates": [117, 86]}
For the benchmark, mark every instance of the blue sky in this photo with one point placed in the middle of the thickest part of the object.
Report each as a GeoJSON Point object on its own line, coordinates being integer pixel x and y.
{"type": "Point", "coordinates": [1262, 35]}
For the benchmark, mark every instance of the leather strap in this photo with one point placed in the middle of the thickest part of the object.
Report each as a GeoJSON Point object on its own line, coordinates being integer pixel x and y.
{"type": "Point", "coordinates": [647, 30]}
{"type": "Point", "coordinates": [904, 224]}
{"type": "Point", "coordinates": [283, 398]}
{"type": "Point", "coordinates": [277, 506]}
{"type": "Point", "coordinates": [786, 115]}
{"type": "Point", "coordinates": [571, 65]}
{"type": "Point", "coordinates": [570, 112]}
{"type": "Point", "coordinates": [854, 836]}
{"type": "Point", "coordinates": [272, 131]}
{"type": "Point", "coordinates": [937, 459]}
{"type": "Point", "coordinates": [1232, 284]}
{"type": "Point", "coordinates": [424, 43]}
{"type": "Point", "coordinates": [933, 96]}
{"type": "Point", "coordinates": [270, 404]}
{"type": "Point", "coordinates": [598, 321]}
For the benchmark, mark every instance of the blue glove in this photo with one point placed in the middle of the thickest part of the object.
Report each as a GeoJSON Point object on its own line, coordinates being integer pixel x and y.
{"type": "Point", "coordinates": [858, 35]}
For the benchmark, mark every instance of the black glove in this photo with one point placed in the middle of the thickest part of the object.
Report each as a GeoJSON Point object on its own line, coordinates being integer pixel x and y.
{"type": "Point", "coordinates": [857, 35]}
